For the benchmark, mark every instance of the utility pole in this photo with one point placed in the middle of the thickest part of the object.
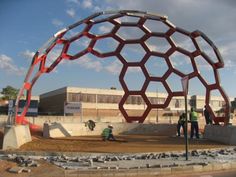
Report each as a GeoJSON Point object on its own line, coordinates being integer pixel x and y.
{"type": "Point", "coordinates": [96, 99]}
{"type": "Point", "coordinates": [157, 118]}
{"type": "Point", "coordinates": [184, 81]}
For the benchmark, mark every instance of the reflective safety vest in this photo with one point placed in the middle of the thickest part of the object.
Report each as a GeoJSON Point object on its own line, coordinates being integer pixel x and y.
{"type": "Point", "coordinates": [193, 116]}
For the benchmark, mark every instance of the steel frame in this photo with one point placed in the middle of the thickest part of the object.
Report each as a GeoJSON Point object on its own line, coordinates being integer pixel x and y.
{"type": "Point", "coordinates": [41, 56]}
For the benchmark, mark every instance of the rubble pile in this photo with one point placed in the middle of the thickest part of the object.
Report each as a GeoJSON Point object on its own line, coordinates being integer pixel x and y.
{"type": "Point", "coordinates": [146, 160]}
{"type": "Point", "coordinates": [117, 161]}
{"type": "Point", "coordinates": [23, 163]}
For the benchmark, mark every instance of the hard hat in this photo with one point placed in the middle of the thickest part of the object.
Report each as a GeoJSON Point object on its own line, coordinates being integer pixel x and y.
{"type": "Point", "coordinates": [110, 126]}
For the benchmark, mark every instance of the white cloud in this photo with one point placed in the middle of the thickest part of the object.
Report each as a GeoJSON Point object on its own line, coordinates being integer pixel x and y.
{"type": "Point", "coordinates": [152, 47]}
{"type": "Point", "coordinates": [215, 25]}
{"type": "Point", "coordinates": [228, 53]}
{"type": "Point", "coordinates": [89, 63]}
{"type": "Point", "coordinates": [203, 15]}
{"type": "Point", "coordinates": [53, 55]}
{"type": "Point", "coordinates": [87, 4]}
{"type": "Point", "coordinates": [73, 1]}
{"type": "Point", "coordinates": [229, 64]}
{"type": "Point", "coordinates": [95, 64]}
{"type": "Point", "coordinates": [83, 42]}
{"type": "Point", "coordinates": [104, 29]}
{"type": "Point", "coordinates": [135, 69]}
{"type": "Point", "coordinates": [114, 67]}
{"type": "Point", "coordinates": [71, 12]}
{"type": "Point", "coordinates": [202, 64]}
{"type": "Point", "coordinates": [27, 54]}
{"type": "Point", "coordinates": [97, 8]}
{"type": "Point", "coordinates": [179, 59]}
{"type": "Point", "coordinates": [57, 23]}
{"type": "Point", "coordinates": [6, 64]}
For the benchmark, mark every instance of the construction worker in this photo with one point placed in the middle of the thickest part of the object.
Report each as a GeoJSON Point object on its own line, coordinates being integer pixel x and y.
{"type": "Point", "coordinates": [194, 123]}
{"type": "Point", "coordinates": [181, 123]}
{"type": "Point", "coordinates": [207, 116]}
{"type": "Point", "coordinates": [107, 134]}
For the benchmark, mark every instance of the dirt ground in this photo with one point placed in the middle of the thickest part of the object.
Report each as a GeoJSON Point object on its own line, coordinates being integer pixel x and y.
{"type": "Point", "coordinates": [44, 170]}
{"type": "Point", "coordinates": [124, 143]}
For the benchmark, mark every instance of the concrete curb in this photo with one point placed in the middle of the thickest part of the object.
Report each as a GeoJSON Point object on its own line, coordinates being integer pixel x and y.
{"type": "Point", "coordinates": [152, 171]}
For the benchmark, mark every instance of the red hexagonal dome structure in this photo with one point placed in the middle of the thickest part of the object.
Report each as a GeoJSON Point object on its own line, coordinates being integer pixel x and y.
{"type": "Point", "coordinates": [151, 30]}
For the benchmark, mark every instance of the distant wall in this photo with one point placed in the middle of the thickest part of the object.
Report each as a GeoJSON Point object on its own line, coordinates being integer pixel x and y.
{"type": "Point", "coordinates": [79, 129]}
{"type": "Point", "coordinates": [40, 120]}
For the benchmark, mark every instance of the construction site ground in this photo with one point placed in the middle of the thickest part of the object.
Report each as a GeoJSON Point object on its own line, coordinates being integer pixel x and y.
{"type": "Point", "coordinates": [124, 144]}
{"type": "Point", "coordinates": [94, 144]}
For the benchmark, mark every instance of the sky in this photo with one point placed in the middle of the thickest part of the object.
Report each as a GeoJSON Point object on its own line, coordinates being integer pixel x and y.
{"type": "Point", "coordinates": [27, 24]}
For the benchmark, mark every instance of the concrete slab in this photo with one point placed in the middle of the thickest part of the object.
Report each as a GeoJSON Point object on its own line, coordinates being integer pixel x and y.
{"type": "Point", "coordinates": [16, 170]}
{"type": "Point", "coordinates": [222, 134]}
{"type": "Point", "coordinates": [15, 136]}
{"type": "Point", "coordinates": [56, 129]}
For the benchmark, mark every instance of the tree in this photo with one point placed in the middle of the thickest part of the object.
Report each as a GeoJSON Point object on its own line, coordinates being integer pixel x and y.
{"type": "Point", "coordinates": [9, 93]}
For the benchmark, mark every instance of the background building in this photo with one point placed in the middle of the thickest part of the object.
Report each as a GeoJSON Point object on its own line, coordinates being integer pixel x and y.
{"type": "Point", "coordinates": [102, 104]}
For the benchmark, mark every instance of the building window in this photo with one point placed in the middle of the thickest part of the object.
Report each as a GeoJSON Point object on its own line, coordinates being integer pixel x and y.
{"type": "Point", "coordinates": [139, 101]}
{"type": "Point", "coordinates": [91, 98]}
{"type": "Point", "coordinates": [117, 99]}
{"type": "Point", "coordinates": [102, 98]}
{"type": "Point", "coordinates": [74, 97]}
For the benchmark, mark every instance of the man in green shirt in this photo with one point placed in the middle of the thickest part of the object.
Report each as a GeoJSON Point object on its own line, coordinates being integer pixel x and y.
{"type": "Point", "coordinates": [107, 134]}
{"type": "Point", "coordinates": [194, 123]}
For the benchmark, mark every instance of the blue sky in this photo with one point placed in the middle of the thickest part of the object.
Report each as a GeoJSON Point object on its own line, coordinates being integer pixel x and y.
{"type": "Point", "coordinates": [27, 24]}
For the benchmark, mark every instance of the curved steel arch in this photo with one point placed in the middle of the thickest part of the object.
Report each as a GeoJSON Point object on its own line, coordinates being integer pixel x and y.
{"type": "Point", "coordinates": [61, 38]}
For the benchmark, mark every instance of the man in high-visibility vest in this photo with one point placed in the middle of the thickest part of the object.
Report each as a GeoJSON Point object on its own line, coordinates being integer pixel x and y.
{"type": "Point", "coordinates": [194, 123]}
{"type": "Point", "coordinates": [107, 133]}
